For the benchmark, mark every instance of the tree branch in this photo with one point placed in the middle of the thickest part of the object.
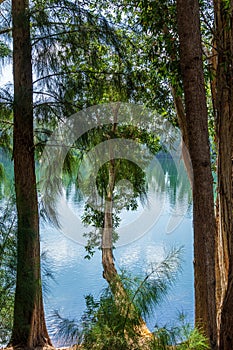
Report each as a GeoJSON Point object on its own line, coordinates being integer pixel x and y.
{"type": "Point", "coordinates": [6, 122]}
{"type": "Point", "coordinates": [78, 71]}
{"type": "Point", "coordinates": [6, 30]}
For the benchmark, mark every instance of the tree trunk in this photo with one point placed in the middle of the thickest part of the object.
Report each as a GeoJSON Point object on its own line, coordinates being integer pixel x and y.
{"type": "Point", "coordinates": [224, 129]}
{"type": "Point", "coordinates": [197, 129]}
{"type": "Point", "coordinates": [29, 329]}
{"type": "Point", "coordinates": [122, 299]}
{"type": "Point", "coordinates": [110, 272]}
{"type": "Point", "coordinates": [182, 121]}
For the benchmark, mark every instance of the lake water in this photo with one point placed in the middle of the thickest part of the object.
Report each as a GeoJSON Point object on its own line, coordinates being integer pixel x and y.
{"type": "Point", "coordinates": [172, 226]}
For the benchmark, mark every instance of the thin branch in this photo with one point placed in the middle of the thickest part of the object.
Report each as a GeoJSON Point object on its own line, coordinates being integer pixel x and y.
{"type": "Point", "coordinates": [61, 145]}
{"type": "Point", "coordinates": [50, 104]}
{"type": "Point", "coordinates": [2, 247]}
{"type": "Point", "coordinates": [55, 104]}
{"type": "Point", "coordinates": [5, 18]}
{"type": "Point", "coordinates": [46, 94]}
{"type": "Point", "coordinates": [6, 30]}
{"type": "Point", "coordinates": [6, 122]}
{"type": "Point", "coordinates": [54, 75]}
{"type": "Point", "coordinates": [207, 23]}
{"type": "Point", "coordinates": [79, 71]}
{"type": "Point", "coordinates": [135, 294]}
{"type": "Point", "coordinates": [6, 99]}
{"type": "Point", "coordinates": [37, 39]}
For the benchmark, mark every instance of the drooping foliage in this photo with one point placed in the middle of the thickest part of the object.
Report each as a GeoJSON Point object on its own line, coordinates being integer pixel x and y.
{"type": "Point", "coordinates": [84, 54]}
{"type": "Point", "coordinates": [7, 267]}
{"type": "Point", "coordinates": [104, 324]}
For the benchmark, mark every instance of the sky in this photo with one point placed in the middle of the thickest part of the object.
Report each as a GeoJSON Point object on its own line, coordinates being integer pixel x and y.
{"type": "Point", "coordinates": [6, 75]}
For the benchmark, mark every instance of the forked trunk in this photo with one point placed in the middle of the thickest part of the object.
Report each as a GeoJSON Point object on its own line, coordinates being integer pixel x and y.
{"type": "Point", "coordinates": [29, 329]}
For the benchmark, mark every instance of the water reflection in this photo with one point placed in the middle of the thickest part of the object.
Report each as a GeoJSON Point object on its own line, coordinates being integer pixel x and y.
{"type": "Point", "coordinates": [77, 277]}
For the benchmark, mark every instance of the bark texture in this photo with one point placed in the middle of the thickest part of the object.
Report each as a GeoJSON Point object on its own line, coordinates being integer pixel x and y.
{"type": "Point", "coordinates": [29, 329]}
{"type": "Point", "coordinates": [181, 116]}
{"type": "Point", "coordinates": [224, 130]}
{"type": "Point", "coordinates": [198, 145]}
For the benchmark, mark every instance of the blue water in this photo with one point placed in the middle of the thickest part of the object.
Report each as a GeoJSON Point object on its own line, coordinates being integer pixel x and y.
{"type": "Point", "coordinates": [76, 277]}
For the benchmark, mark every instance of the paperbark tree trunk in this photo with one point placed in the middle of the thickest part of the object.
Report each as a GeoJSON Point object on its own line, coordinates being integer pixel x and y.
{"type": "Point", "coordinates": [198, 145]}
{"type": "Point", "coordinates": [29, 329]}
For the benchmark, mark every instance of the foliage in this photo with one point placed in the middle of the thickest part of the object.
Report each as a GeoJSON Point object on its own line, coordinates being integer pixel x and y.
{"type": "Point", "coordinates": [7, 267]}
{"type": "Point", "coordinates": [6, 131]}
{"type": "Point", "coordinates": [7, 227]}
{"type": "Point", "coordinates": [107, 322]}
{"type": "Point", "coordinates": [81, 59]}
{"type": "Point", "coordinates": [104, 326]}
{"type": "Point", "coordinates": [6, 174]}
{"type": "Point", "coordinates": [182, 336]}
{"type": "Point", "coordinates": [73, 73]}
{"type": "Point", "coordinates": [4, 50]}
{"type": "Point", "coordinates": [8, 253]}
{"type": "Point", "coordinates": [125, 172]}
